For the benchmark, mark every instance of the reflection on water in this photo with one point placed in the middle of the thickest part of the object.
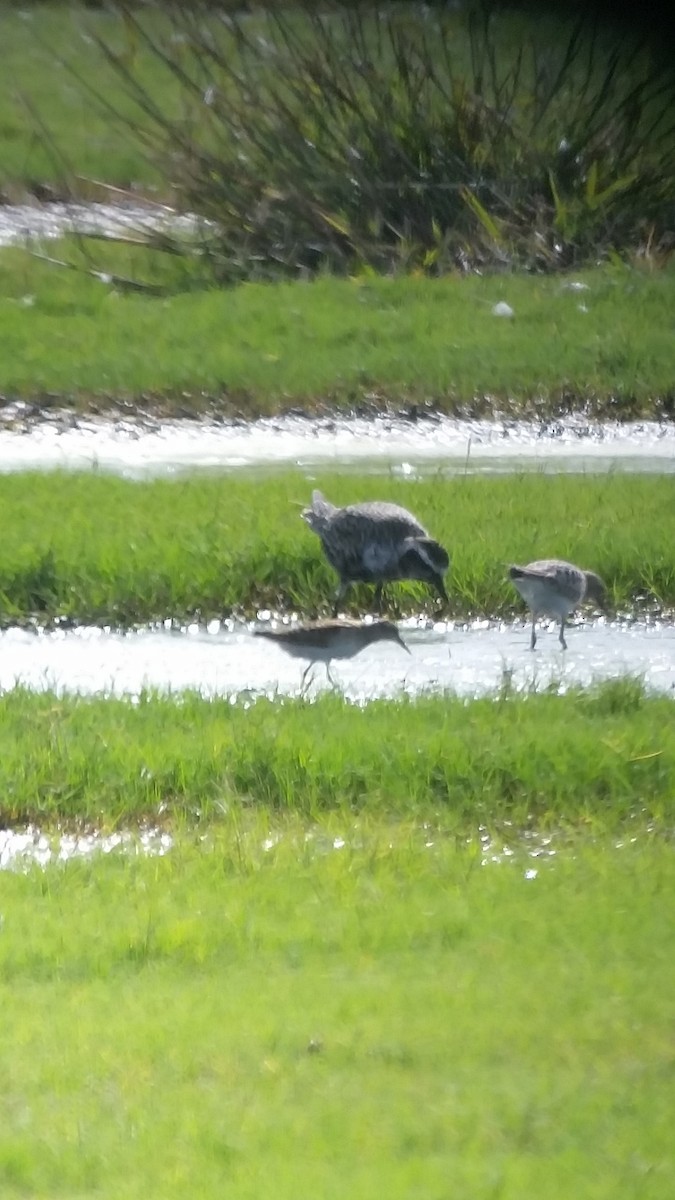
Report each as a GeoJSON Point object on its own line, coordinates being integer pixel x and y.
{"type": "Point", "coordinates": [24, 848]}
{"type": "Point", "coordinates": [528, 850]}
{"type": "Point", "coordinates": [228, 660]}
{"type": "Point", "coordinates": [385, 445]}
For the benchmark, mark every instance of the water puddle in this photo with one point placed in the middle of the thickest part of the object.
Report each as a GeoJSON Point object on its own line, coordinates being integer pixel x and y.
{"type": "Point", "coordinates": [523, 846]}
{"type": "Point", "coordinates": [21, 849]}
{"type": "Point", "coordinates": [527, 850]}
{"type": "Point", "coordinates": [228, 660]}
{"type": "Point", "coordinates": [382, 445]}
{"type": "Point", "coordinates": [28, 222]}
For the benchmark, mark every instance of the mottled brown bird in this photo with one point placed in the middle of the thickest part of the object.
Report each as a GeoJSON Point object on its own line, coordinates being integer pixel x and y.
{"type": "Point", "coordinates": [377, 543]}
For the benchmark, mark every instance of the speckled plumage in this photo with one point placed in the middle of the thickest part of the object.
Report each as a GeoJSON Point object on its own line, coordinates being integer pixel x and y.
{"type": "Point", "coordinates": [554, 588]}
{"type": "Point", "coordinates": [322, 641]}
{"type": "Point", "coordinates": [377, 543]}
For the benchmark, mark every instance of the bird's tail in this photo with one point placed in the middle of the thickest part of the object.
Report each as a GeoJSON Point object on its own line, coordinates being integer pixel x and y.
{"type": "Point", "coordinates": [319, 512]}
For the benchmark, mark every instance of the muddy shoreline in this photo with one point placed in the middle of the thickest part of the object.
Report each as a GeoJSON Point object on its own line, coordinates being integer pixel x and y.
{"type": "Point", "coordinates": [404, 442]}
{"type": "Point", "coordinates": [63, 409]}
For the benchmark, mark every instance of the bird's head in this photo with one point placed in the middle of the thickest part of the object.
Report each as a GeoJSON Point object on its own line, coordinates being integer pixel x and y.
{"type": "Point", "coordinates": [596, 592]}
{"type": "Point", "coordinates": [426, 560]}
{"type": "Point", "coordinates": [386, 631]}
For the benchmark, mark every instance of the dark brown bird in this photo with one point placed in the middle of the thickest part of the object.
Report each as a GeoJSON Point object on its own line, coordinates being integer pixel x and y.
{"type": "Point", "coordinates": [322, 641]}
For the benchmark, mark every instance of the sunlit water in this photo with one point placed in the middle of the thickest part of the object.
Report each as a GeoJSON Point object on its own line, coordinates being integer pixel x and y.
{"type": "Point", "coordinates": [231, 661]}
{"type": "Point", "coordinates": [527, 850]}
{"type": "Point", "coordinates": [23, 848]}
{"type": "Point", "coordinates": [34, 222]}
{"type": "Point", "coordinates": [385, 445]}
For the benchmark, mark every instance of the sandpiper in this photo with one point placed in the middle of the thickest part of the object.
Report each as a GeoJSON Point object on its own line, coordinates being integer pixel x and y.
{"type": "Point", "coordinates": [376, 543]}
{"type": "Point", "coordinates": [322, 641]}
{"type": "Point", "coordinates": [553, 588]}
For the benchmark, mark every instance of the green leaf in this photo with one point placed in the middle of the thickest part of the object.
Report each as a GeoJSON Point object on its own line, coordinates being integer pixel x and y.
{"type": "Point", "coordinates": [489, 224]}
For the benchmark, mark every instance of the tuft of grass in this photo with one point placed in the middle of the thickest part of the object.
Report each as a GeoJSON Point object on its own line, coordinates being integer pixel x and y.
{"type": "Point", "coordinates": [595, 760]}
{"type": "Point", "coordinates": [373, 1019]}
{"type": "Point", "coordinates": [206, 546]}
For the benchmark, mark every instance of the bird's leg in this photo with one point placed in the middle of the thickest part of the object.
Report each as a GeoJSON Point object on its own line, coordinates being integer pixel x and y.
{"type": "Point", "coordinates": [533, 639]}
{"type": "Point", "coordinates": [563, 643]}
{"type": "Point", "coordinates": [344, 584]}
{"type": "Point", "coordinates": [305, 673]}
{"type": "Point", "coordinates": [330, 677]}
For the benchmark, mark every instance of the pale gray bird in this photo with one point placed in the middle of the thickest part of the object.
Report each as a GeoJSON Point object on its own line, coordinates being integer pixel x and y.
{"type": "Point", "coordinates": [376, 543]}
{"type": "Point", "coordinates": [553, 588]}
{"type": "Point", "coordinates": [322, 641]}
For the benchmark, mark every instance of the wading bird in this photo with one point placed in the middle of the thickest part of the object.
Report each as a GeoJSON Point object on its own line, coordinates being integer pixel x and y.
{"type": "Point", "coordinates": [553, 588]}
{"type": "Point", "coordinates": [376, 543]}
{"type": "Point", "coordinates": [322, 641]}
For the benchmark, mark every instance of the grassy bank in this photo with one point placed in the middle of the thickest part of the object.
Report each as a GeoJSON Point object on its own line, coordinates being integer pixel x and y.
{"type": "Point", "coordinates": [590, 761]}
{"type": "Point", "coordinates": [315, 1022]}
{"type": "Point", "coordinates": [262, 347]}
{"type": "Point", "coordinates": [97, 548]}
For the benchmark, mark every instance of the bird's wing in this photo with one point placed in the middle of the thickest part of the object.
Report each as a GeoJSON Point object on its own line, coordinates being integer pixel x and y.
{"type": "Point", "coordinates": [381, 522]}
{"type": "Point", "coordinates": [549, 568]}
{"type": "Point", "coordinates": [293, 639]}
{"type": "Point", "coordinates": [394, 515]}
{"type": "Point", "coordinates": [379, 557]}
{"type": "Point", "coordinates": [568, 580]}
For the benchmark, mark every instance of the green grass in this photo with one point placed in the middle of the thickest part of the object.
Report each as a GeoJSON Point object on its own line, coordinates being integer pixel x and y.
{"type": "Point", "coordinates": [388, 1019]}
{"type": "Point", "coordinates": [97, 548]}
{"type": "Point", "coordinates": [320, 991]}
{"type": "Point", "coordinates": [261, 347]}
{"type": "Point", "coordinates": [53, 128]}
{"type": "Point", "coordinates": [591, 761]}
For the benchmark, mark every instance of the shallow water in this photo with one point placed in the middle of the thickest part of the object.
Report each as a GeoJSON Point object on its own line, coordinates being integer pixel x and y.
{"type": "Point", "coordinates": [229, 660]}
{"type": "Point", "coordinates": [528, 850]}
{"type": "Point", "coordinates": [384, 445]}
{"type": "Point", "coordinates": [24, 848]}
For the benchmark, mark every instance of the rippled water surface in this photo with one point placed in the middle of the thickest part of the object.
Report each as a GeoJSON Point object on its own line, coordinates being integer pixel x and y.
{"type": "Point", "coordinates": [231, 661]}
{"type": "Point", "coordinates": [381, 445]}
